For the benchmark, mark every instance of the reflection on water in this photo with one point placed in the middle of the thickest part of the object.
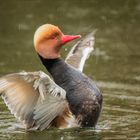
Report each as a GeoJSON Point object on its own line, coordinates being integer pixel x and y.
{"type": "Point", "coordinates": [115, 63]}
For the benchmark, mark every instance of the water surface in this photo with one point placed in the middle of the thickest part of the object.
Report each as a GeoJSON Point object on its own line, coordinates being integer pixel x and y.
{"type": "Point", "coordinates": [114, 65]}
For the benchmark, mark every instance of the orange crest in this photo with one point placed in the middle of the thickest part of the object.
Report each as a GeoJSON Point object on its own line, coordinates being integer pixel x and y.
{"type": "Point", "coordinates": [46, 31]}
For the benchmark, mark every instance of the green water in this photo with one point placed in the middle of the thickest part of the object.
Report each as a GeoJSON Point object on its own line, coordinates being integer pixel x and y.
{"type": "Point", "coordinates": [114, 65]}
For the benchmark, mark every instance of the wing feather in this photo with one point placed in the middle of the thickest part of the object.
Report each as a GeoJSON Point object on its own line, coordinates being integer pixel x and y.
{"type": "Point", "coordinates": [81, 51]}
{"type": "Point", "coordinates": [33, 98]}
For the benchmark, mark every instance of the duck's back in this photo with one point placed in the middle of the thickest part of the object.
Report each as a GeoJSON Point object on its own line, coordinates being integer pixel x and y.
{"type": "Point", "coordinates": [84, 98]}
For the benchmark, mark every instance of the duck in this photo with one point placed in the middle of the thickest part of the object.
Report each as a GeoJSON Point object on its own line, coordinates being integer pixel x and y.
{"type": "Point", "coordinates": [66, 99]}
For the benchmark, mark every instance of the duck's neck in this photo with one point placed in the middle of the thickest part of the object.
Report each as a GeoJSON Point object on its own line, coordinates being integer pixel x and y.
{"type": "Point", "coordinates": [49, 63]}
{"type": "Point", "coordinates": [56, 67]}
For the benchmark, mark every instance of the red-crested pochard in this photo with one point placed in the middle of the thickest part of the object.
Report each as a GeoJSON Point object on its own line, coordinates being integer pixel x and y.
{"type": "Point", "coordinates": [71, 99]}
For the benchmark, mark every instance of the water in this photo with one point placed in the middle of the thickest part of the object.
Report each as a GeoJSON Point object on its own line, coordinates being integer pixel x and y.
{"type": "Point", "coordinates": [114, 65]}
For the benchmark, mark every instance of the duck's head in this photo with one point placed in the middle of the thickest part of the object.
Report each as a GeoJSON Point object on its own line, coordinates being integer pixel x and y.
{"type": "Point", "coordinates": [48, 40]}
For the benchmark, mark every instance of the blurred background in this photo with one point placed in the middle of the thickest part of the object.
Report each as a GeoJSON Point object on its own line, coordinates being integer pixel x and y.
{"type": "Point", "coordinates": [114, 65]}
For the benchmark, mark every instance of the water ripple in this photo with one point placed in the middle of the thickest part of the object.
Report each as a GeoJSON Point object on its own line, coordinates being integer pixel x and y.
{"type": "Point", "coordinates": [113, 85]}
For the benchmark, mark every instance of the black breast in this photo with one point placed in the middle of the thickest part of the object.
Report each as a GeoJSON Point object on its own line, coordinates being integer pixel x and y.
{"type": "Point", "coordinates": [84, 98]}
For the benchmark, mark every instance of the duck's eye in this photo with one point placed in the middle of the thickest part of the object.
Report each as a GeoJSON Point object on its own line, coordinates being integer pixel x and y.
{"type": "Point", "coordinates": [53, 36]}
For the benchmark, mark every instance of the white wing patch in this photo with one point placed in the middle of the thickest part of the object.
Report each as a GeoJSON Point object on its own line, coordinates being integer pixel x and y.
{"type": "Point", "coordinates": [86, 54]}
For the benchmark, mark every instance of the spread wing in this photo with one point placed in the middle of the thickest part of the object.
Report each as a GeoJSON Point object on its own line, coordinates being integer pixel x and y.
{"type": "Point", "coordinates": [81, 51]}
{"type": "Point", "coordinates": [33, 98]}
